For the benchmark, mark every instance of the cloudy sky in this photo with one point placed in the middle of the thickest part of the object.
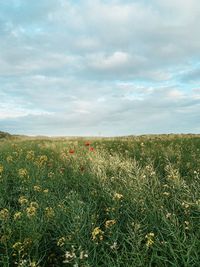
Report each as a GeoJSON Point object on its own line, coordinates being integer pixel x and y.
{"type": "Point", "coordinates": [99, 67]}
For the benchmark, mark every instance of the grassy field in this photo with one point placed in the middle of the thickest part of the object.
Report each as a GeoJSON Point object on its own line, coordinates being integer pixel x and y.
{"type": "Point", "coordinates": [114, 202]}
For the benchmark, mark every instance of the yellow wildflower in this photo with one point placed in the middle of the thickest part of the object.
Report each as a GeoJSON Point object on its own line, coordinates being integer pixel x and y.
{"type": "Point", "coordinates": [21, 246]}
{"type": "Point", "coordinates": [31, 211]}
{"type": "Point", "coordinates": [30, 155]}
{"type": "Point", "coordinates": [17, 215]}
{"type": "Point", "coordinates": [150, 239]}
{"type": "Point", "coordinates": [168, 215]}
{"type": "Point", "coordinates": [166, 194]}
{"type": "Point", "coordinates": [150, 235]}
{"type": "Point", "coordinates": [50, 174]}
{"type": "Point", "coordinates": [185, 205]}
{"type": "Point", "coordinates": [23, 173]}
{"type": "Point", "coordinates": [114, 246]}
{"type": "Point", "coordinates": [186, 225]}
{"type": "Point", "coordinates": [34, 204]}
{"type": "Point", "coordinates": [61, 242]}
{"type": "Point", "coordinates": [109, 223]}
{"type": "Point", "coordinates": [37, 188]}
{"type": "Point", "coordinates": [9, 159]}
{"type": "Point", "coordinates": [97, 233]}
{"type": "Point", "coordinates": [49, 212]}
{"type": "Point", "coordinates": [4, 214]}
{"type": "Point", "coordinates": [118, 196]}
{"type": "Point", "coordinates": [27, 242]}
{"type": "Point", "coordinates": [46, 191]}
{"type": "Point", "coordinates": [33, 264]}
{"type": "Point", "coordinates": [149, 242]}
{"type": "Point", "coordinates": [18, 246]}
{"type": "Point", "coordinates": [83, 255]}
{"type": "Point", "coordinates": [42, 160]}
{"type": "Point", "coordinates": [22, 200]}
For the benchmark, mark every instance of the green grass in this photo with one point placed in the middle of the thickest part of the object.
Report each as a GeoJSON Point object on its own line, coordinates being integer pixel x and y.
{"type": "Point", "coordinates": [131, 202]}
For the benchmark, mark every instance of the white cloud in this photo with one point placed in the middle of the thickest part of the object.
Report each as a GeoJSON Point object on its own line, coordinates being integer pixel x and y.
{"type": "Point", "coordinates": [87, 66]}
{"type": "Point", "coordinates": [117, 60]}
{"type": "Point", "coordinates": [9, 111]}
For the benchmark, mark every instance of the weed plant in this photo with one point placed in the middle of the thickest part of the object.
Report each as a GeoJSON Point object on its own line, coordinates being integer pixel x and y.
{"type": "Point", "coordinates": [114, 202]}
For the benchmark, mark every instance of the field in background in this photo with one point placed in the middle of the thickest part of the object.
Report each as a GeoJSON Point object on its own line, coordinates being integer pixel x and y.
{"type": "Point", "coordinates": [111, 202]}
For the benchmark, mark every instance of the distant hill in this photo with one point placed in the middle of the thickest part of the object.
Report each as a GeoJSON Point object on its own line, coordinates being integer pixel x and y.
{"type": "Point", "coordinates": [4, 135]}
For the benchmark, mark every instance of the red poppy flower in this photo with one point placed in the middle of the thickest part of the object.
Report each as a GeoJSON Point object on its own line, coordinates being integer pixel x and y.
{"type": "Point", "coordinates": [87, 143]}
{"type": "Point", "coordinates": [91, 148]}
{"type": "Point", "coordinates": [71, 151]}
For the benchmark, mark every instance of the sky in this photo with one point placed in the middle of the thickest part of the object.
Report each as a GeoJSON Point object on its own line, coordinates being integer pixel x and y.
{"type": "Point", "coordinates": [99, 67]}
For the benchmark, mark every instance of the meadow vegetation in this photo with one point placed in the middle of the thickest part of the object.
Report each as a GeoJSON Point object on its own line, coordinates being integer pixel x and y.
{"type": "Point", "coordinates": [131, 202]}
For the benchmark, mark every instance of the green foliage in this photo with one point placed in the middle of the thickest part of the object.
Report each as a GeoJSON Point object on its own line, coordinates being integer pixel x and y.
{"type": "Point", "coordinates": [115, 202]}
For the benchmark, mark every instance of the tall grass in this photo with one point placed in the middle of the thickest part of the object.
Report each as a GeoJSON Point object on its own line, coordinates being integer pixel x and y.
{"type": "Point", "coordinates": [116, 202]}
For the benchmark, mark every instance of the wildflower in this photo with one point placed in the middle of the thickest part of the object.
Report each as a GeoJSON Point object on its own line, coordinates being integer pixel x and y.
{"type": "Point", "coordinates": [31, 211]}
{"type": "Point", "coordinates": [21, 246]}
{"type": "Point", "coordinates": [114, 246]}
{"type": "Point", "coordinates": [118, 196]}
{"type": "Point", "coordinates": [27, 242]}
{"type": "Point", "coordinates": [50, 174]}
{"type": "Point", "coordinates": [9, 159]}
{"type": "Point", "coordinates": [186, 225]}
{"type": "Point", "coordinates": [49, 212]}
{"type": "Point", "coordinates": [17, 215]}
{"type": "Point", "coordinates": [22, 200]}
{"type": "Point", "coordinates": [166, 194]}
{"type": "Point", "coordinates": [62, 170]}
{"type": "Point", "coordinates": [4, 214]}
{"type": "Point", "coordinates": [136, 226]}
{"type": "Point", "coordinates": [30, 155]}
{"type": "Point", "coordinates": [91, 149]}
{"type": "Point", "coordinates": [150, 235]}
{"type": "Point", "coordinates": [1, 168]}
{"type": "Point", "coordinates": [197, 202]}
{"type": "Point", "coordinates": [46, 191]}
{"type": "Point", "coordinates": [33, 264]}
{"type": "Point", "coordinates": [150, 239]}
{"type": "Point", "coordinates": [168, 215]}
{"type": "Point", "coordinates": [69, 256]}
{"type": "Point", "coordinates": [34, 204]}
{"type": "Point", "coordinates": [18, 246]}
{"type": "Point", "coordinates": [37, 188]}
{"type": "Point", "coordinates": [109, 223]}
{"type": "Point", "coordinates": [185, 205]}
{"type": "Point", "coordinates": [71, 151]}
{"type": "Point", "coordinates": [109, 209]}
{"type": "Point", "coordinates": [87, 143]}
{"type": "Point", "coordinates": [43, 159]}
{"type": "Point", "coordinates": [166, 185]}
{"type": "Point", "coordinates": [97, 233]}
{"type": "Point", "coordinates": [22, 173]}
{"type": "Point", "coordinates": [83, 255]}
{"type": "Point", "coordinates": [61, 242]}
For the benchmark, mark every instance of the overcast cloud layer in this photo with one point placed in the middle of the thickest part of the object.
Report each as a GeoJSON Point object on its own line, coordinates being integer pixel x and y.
{"type": "Point", "coordinates": [96, 67]}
